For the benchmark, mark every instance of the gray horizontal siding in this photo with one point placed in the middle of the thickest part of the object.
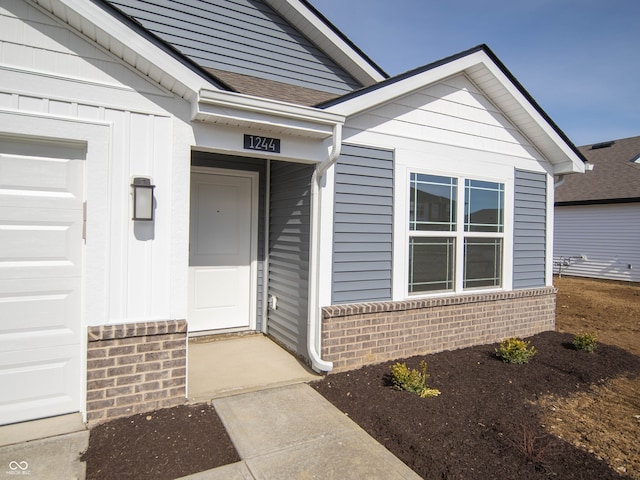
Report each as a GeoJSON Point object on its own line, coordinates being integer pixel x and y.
{"type": "Point", "coordinates": [241, 36]}
{"type": "Point", "coordinates": [530, 230]}
{"type": "Point", "coordinates": [214, 160]}
{"type": "Point", "coordinates": [363, 226]}
{"type": "Point", "coordinates": [289, 253]}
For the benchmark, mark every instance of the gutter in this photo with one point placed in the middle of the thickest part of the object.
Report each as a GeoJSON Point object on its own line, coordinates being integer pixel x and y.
{"type": "Point", "coordinates": [314, 322]}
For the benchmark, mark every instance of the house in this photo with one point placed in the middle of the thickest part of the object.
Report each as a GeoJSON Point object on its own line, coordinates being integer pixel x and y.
{"type": "Point", "coordinates": [597, 215]}
{"type": "Point", "coordinates": [295, 190]}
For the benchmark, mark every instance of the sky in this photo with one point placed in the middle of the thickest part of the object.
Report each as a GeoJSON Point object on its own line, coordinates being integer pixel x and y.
{"type": "Point", "coordinates": [579, 59]}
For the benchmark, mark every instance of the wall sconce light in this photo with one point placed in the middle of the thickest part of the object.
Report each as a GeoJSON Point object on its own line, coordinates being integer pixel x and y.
{"type": "Point", "coordinates": [142, 198]}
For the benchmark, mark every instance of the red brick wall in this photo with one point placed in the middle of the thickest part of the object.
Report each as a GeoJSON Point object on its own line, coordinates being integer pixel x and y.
{"type": "Point", "coordinates": [359, 334]}
{"type": "Point", "coordinates": [134, 368]}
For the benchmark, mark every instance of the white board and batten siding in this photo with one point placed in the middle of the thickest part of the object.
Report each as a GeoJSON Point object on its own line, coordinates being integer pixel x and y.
{"type": "Point", "coordinates": [55, 73]}
{"type": "Point", "coordinates": [605, 235]}
{"type": "Point", "coordinates": [85, 95]}
{"type": "Point", "coordinates": [363, 225]}
{"type": "Point", "coordinates": [248, 37]}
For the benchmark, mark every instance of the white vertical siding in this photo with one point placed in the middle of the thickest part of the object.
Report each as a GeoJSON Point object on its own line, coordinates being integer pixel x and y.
{"type": "Point", "coordinates": [606, 235]}
{"type": "Point", "coordinates": [47, 70]}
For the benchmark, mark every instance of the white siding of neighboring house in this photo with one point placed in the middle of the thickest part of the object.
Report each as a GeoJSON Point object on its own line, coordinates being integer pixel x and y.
{"type": "Point", "coordinates": [607, 235]}
{"type": "Point", "coordinates": [47, 70]}
{"type": "Point", "coordinates": [449, 128]}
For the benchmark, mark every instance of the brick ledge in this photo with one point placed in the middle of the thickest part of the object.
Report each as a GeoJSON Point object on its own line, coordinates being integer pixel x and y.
{"type": "Point", "coordinates": [140, 329]}
{"type": "Point", "coordinates": [381, 307]}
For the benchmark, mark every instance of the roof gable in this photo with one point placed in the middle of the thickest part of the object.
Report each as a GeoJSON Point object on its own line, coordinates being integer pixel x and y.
{"type": "Point", "coordinates": [615, 176]}
{"type": "Point", "coordinates": [484, 69]}
{"type": "Point", "coordinates": [452, 111]}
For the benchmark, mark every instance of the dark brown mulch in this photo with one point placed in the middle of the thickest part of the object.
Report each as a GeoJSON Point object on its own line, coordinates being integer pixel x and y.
{"type": "Point", "coordinates": [475, 429]}
{"type": "Point", "coordinates": [161, 445]}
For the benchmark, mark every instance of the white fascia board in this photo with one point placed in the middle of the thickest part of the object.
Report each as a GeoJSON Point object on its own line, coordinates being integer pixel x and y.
{"type": "Point", "coordinates": [231, 108]}
{"type": "Point", "coordinates": [328, 40]}
{"type": "Point", "coordinates": [120, 40]}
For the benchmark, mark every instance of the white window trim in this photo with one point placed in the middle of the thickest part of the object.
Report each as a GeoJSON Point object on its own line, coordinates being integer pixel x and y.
{"type": "Point", "coordinates": [500, 174]}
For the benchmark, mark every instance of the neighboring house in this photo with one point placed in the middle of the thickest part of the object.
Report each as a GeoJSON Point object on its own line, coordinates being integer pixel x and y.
{"type": "Point", "coordinates": [299, 192]}
{"type": "Point", "coordinates": [597, 215]}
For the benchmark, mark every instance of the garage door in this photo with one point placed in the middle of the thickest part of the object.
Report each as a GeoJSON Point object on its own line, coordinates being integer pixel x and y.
{"type": "Point", "coordinates": [41, 221]}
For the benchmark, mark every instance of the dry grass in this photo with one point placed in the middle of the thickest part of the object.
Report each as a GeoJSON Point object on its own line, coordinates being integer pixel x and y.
{"type": "Point", "coordinates": [606, 420]}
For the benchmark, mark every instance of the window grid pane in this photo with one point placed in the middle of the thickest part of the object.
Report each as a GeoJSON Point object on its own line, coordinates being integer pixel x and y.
{"type": "Point", "coordinates": [482, 262]}
{"type": "Point", "coordinates": [431, 264]}
{"type": "Point", "coordinates": [484, 206]}
{"type": "Point", "coordinates": [432, 203]}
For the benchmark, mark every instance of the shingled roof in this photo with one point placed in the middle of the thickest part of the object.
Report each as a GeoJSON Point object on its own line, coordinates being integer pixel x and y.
{"type": "Point", "coordinates": [615, 177]}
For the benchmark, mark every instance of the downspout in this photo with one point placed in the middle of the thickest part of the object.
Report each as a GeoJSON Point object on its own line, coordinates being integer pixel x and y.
{"type": "Point", "coordinates": [314, 322]}
{"type": "Point", "coordinates": [265, 268]}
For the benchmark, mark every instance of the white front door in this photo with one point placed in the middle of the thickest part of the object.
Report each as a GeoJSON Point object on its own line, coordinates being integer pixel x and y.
{"type": "Point", "coordinates": [222, 251]}
{"type": "Point", "coordinates": [41, 196]}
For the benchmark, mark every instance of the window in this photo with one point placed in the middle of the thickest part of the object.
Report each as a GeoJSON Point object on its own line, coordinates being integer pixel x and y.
{"type": "Point", "coordinates": [446, 254]}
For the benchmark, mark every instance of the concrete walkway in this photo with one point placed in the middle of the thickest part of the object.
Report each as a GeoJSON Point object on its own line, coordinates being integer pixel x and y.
{"type": "Point", "coordinates": [52, 458]}
{"type": "Point", "coordinates": [222, 366]}
{"type": "Point", "coordinates": [281, 427]}
{"type": "Point", "coordinates": [292, 432]}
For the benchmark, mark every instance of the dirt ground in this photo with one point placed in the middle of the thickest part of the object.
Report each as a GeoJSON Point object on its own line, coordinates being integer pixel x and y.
{"type": "Point", "coordinates": [161, 445]}
{"type": "Point", "coordinates": [605, 420]}
{"type": "Point", "coordinates": [565, 415]}
{"type": "Point", "coordinates": [610, 309]}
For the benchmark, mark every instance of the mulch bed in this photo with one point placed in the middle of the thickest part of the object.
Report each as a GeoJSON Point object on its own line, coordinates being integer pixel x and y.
{"type": "Point", "coordinates": [476, 429]}
{"type": "Point", "coordinates": [161, 445]}
{"type": "Point", "coordinates": [485, 424]}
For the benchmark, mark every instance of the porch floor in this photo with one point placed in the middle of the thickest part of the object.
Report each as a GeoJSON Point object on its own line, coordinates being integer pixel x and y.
{"type": "Point", "coordinates": [233, 365]}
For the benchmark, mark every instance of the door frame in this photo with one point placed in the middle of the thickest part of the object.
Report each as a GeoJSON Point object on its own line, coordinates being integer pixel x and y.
{"type": "Point", "coordinates": [253, 255]}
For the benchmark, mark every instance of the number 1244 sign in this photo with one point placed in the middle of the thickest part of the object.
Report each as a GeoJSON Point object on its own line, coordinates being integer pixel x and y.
{"type": "Point", "coordinates": [264, 144]}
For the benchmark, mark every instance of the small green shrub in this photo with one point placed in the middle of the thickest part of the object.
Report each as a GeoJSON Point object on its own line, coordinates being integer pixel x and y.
{"type": "Point", "coordinates": [514, 350]}
{"type": "Point", "coordinates": [585, 341]}
{"type": "Point", "coordinates": [413, 380]}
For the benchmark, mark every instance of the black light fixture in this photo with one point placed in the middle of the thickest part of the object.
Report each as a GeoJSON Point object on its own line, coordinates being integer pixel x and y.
{"type": "Point", "coordinates": [142, 199]}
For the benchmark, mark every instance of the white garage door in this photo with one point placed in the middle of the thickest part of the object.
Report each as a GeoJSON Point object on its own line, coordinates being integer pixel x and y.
{"type": "Point", "coordinates": [41, 221]}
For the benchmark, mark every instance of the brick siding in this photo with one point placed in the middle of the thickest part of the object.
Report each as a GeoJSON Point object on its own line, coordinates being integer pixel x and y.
{"type": "Point", "coordinates": [359, 334]}
{"type": "Point", "coordinates": [135, 368]}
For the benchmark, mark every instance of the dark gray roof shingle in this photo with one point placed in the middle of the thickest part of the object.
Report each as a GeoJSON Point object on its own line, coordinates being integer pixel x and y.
{"type": "Point", "coordinates": [614, 178]}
